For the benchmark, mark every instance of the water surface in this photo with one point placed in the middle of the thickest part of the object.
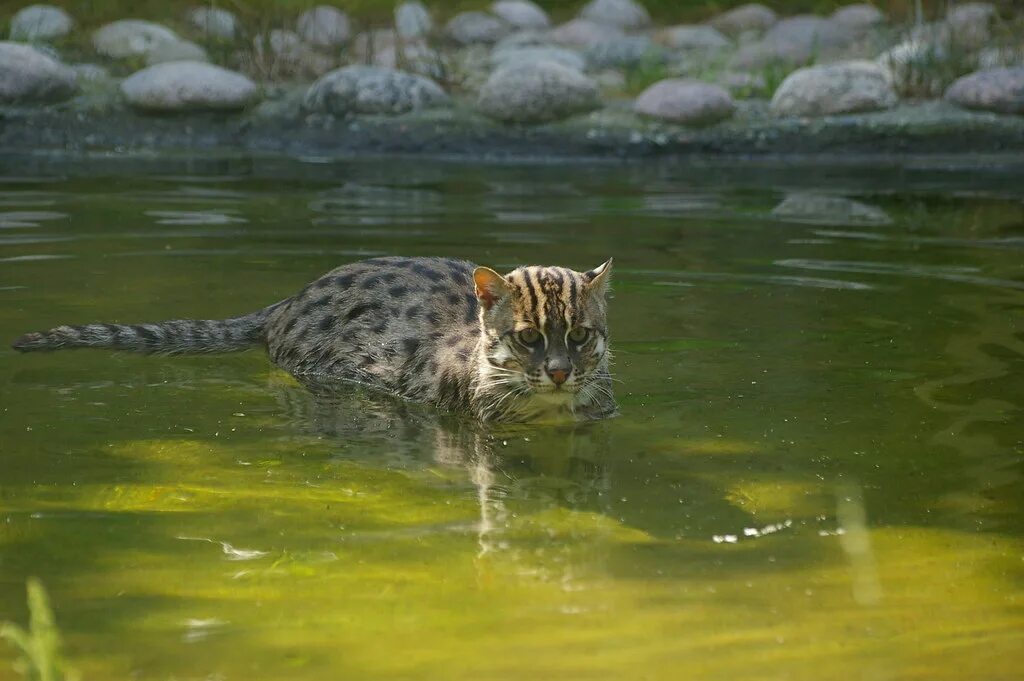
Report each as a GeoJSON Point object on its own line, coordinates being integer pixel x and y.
{"type": "Point", "coordinates": [816, 474]}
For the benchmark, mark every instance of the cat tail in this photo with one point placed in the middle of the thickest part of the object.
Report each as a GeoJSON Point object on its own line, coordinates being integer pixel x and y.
{"type": "Point", "coordinates": [176, 337]}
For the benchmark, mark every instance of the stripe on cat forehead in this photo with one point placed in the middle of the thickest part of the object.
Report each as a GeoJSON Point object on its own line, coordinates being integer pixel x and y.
{"type": "Point", "coordinates": [547, 295]}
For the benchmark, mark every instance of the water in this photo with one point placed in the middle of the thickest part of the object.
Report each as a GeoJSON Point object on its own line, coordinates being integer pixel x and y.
{"type": "Point", "coordinates": [817, 472]}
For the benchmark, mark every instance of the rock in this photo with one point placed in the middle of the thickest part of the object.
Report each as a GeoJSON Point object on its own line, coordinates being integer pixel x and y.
{"type": "Point", "coordinates": [742, 84]}
{"type": "Point", "coordinates": [511, 56]}
{"type": "Point", "coordinates": [1000, 90]}
{"type": "Point", "coordinates": [131, 38]}
{"type": "Point", "coordinates": [687, 102]}
{"type": "Point", "coordinates": [859, 17]}
{"type": "Point", "coordinates": [282, 54]}
{"type": "Point", "coordinates": [90, 73]}
{"type": "Point", "coordinates": [187, 86]}
{"type": "Point", "coordinates": [971, 23]}
{"type": "Point", "coordinates": [324, 26]}
{"type": "Point", "coordinates": [412, 20]}
{"type": "Point", "coordinates": [372, 90]}
{"type": "Point", "coordinates": [751, 17]}
{"type": "Point", "coordinates": [40, 22]}
{"type": "Point", "coordinates": [468, 28]}
{"type": "Point", "coordinates": [521, 14]}
{"type": "Point", "coordinates": [794, 42]}
{"type": "Point", "coordinates": [521, 39]}
{"type": "Point", "coordinates": [829, 210]}
{"type": "Point", "coordinates": [845, 87]}
{"type": "Point", "coordinates": [625, 14]}
{"type": "Point", "coordinates": [27, 76]}
{"type": "Point", "coordinates": [214, 22]}
{"type": "Point", "coordinates": [611, 80]}
{"type": "Point", "coordinates": [537, 92]}
{"type": "Point", "coordinates": [383, 47]}
{"type": "Point", "coordinates": [624, 52]}
{"type": "Point", "coordinates": [180, 50]}
{"type": "Point", "coordinates": [585, 33]}
{"type": "Point", "coordinates": [694, 38]}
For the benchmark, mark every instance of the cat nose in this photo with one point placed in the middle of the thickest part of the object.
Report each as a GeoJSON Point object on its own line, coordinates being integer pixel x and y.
{"type": "Point", "coordinates": [558, 376]}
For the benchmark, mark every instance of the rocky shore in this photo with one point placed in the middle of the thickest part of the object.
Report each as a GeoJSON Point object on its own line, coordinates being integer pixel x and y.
{"type": "Point", "coordinates": [507, 82]}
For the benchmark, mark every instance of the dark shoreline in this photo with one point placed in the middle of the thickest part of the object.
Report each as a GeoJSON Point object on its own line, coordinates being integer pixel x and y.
{"type": "Point", "coordinates": [916, 129]}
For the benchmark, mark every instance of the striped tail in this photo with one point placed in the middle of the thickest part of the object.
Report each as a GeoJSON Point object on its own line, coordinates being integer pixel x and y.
{"type": "Point", "coordinates": [178, 337]}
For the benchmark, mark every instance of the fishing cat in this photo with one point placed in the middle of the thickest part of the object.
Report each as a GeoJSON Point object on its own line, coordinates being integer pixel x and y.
{"type": "Point", "coordinates": [529, 345]}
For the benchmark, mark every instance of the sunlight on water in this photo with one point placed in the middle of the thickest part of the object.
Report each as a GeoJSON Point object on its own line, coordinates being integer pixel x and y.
{"type": "Point", "coordinates": [817, 472]}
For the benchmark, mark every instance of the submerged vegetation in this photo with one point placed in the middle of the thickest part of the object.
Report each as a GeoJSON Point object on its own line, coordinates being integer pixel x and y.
{"type": "Point", "coordinates": [40, 644]}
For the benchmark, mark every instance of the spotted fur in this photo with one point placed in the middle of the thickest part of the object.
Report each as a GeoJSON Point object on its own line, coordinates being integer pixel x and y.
{"type": "Point", "coordinates": [426, 329]}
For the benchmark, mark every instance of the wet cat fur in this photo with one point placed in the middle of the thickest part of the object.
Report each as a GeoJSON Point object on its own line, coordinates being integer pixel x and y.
{"type": "Point", "coordinates": [529, 345]}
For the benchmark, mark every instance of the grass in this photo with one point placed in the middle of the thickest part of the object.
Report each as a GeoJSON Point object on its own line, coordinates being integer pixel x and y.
{"type": "Point", "coordinates": [40, 644]}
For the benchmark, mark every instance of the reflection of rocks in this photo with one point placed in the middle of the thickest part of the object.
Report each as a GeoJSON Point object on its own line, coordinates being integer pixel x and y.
{"type": "Point", "coordinates": [583, 33]}
{"type": "Point", "coordinates": [751, 17]}
{"type": "Point", "coordinates": [694, 38]}
{"type": "Point", "coordinates": [829, 210]}
{"type": "Point", "coordinates": [1000, 90]}
{"type": "Point", "coordinates": [468, 28]}
{"type": "Point", "coordinates": [687, 102]}
{"type": "Point", "coordinates": [625, 52]}
{"type": "Point", "coordinates": [847, 87]}
{"type": "Point", "coordinates": [27, 76]}
{"type": "Point", "coordinates": [412, 20]}
{"type": "Point", "coordinates": [625, 14]}
{"type": "Point", "coordinates": [188, 86]}
{"type": "Point", "coordinates": [324, 26]}
{"type": "Point", "coordinates": [131, 38]}
{"type": "Point", "coordinates": [521, 14]}
{"type": "Point", "coordinates": [214, 22]}
{"type": "Point", "coordinates": [372, 90]}
{"type": "Point", "coordinates": [178, 50]}
{"type": "Point", "coordinates": [536, 92]}
{"type": "Point", "coordinates": [40, 22]}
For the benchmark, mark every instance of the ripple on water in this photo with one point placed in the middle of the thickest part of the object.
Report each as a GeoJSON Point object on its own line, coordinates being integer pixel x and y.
{"type": "Point", "coordinates": [25, 218]}
{"type": "Point", "coordinates": [945, 273]}
{"type": "Point", "coordinates": [194, 217]}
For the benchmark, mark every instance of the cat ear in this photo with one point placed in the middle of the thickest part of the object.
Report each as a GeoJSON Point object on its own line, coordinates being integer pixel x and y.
{"type": "Point", "coordinates": [490, 286]}
{"type": "Point", "coordinates": [598, 278]}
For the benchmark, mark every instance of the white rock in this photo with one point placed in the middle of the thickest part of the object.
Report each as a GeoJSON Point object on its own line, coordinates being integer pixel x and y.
{"type": "Point", "coordinates": [180, 50]}
{"type": "Point", "coordinates": [187, 86]}
{"type": "Point", "coordinates": [625, 52]}
{"type": "Point", "coordinates": [859, 17]}
{"type": "Point", "coordinates": [27, 76]}
{"type": "Point", "coordinates": [625, 14]}
{"type": "Point", "coordinates": [131, 38]}
{"type": "Point", "coordinates": [751, 17]}
{"type": "Point", "coordinates": [40, 22]}
{"type": "Point", "coordinates": [510, 56]}
{"type": "Point", "coordinates": [537, 92]}
{"type": "Point", "coordinates": [373, 90]}
{"type": "Point", "coordinates": [214, 22]}
{"type": "Point", "coordinates": [694, 38]}
{"type": "Point", "coordinates": [687, 102]}
{"type": "Point", "coordinates": [971, 23]}
{"type": "Point", "coordinates": [1000, 90]}
{"type": "Point", "coordinates": [412, 20]}
{"type": "Point", "coordinates": [467, 28]}
{"type": "Point", "coordinates": [521, 14]}
{"type": "Point", "coordinates": [845, 87]}
{"type": "Point", "coordinates": [585, 33]}
{"type": "Point", "coordinates": [324, 26]}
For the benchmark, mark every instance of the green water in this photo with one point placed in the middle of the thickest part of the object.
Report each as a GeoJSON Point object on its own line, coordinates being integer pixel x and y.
{"type": "Point", "coordinates": [816, 474]}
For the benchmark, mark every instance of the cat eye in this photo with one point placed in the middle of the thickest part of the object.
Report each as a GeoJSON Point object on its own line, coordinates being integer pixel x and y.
{"type": "Point", "coordinates": [529, 336]}
{"type": "Point", "coordinates": [579, 334]}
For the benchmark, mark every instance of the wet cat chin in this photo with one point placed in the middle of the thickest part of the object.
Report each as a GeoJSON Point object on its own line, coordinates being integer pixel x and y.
{"type": "Point", "coordinates": [552, 406]}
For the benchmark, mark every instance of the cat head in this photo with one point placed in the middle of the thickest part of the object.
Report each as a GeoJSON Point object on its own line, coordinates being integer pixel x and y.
{"type": "Point", "coordinates": [546, 327]}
